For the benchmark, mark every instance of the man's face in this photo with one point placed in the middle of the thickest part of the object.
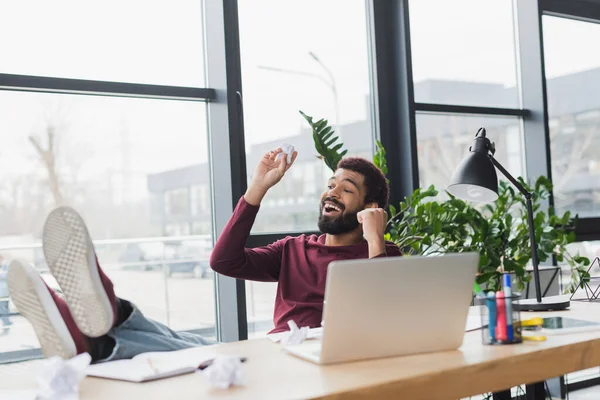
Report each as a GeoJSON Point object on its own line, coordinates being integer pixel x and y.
{"type": "Point", "coordinates": [340, 203]}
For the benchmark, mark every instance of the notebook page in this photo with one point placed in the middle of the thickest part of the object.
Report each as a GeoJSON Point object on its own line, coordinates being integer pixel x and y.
{"type": "Point", "coordinates": [147, 367]}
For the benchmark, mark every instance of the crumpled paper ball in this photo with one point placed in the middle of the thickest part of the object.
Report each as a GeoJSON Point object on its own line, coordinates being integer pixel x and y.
{"type": "Point", "coordinates": [287, 149]}
{"type": "Point", "coordinates": [295, 335]}
{"type": "Point", "coordinates": [59, 379]}
{"type": "Point", "coordinates": [224, 372]}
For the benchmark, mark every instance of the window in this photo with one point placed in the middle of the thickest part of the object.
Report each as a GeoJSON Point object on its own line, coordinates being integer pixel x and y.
{"type": "Point", "coordinates": [317, 63]}
{"type": "Point", "coordinates": [177, 202]}
{"type": "Point", "coordinates": [297, 58]}
{"type": "Point", "coordinates": [200, 199]}
{"type": "Point", "coordinates": [133, 41]}
{"type": "Point", "coordinates": [444, 140]}
{"type": "Point", "coordinates": [572, 76]}
{"type": "Point", "coordinates": [112, 159]}
{"type": "Point", "coordinates": [201, 228]}
{"type": "Point", "coordinates": [177, 229]}
{"type": "Point", "coordinates": [463, 52]}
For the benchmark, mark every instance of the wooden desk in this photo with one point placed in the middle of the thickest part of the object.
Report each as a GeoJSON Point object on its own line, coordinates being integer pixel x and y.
{"type": "Point", "coordinates": [272, 374]}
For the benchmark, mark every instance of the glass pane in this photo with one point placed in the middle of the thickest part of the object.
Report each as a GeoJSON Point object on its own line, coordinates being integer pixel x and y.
{"type": "Point", "coordinates": [260, 300]}
{"type": "Point", "coordinates": [572, 77]}
{"type": "Point", "coordinates": [127, 41]}
{"type": "Point", "coordinates": [444, 140]}
{"type": "Point", "coordinates": [281, 77]}
{"type": "Point", "coordinates": [463, 52]}
{"type": "Point", "coordinates": [127, 165]}
{"type": "Point", "coordinates": [316, 62]}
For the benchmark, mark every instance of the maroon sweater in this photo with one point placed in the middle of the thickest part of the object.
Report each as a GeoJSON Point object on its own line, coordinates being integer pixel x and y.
{"type": "Point", "coordinates": [298, 264]}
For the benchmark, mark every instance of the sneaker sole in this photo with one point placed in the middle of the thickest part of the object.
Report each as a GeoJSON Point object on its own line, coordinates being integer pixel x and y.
{"type": "Point", "coordinates": [70, 256]}
{"type": "Point", "coordinates": [31, 297]}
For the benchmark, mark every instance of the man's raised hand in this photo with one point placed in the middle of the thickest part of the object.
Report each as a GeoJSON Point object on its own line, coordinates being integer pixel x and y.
{"type": "Point", "coordinates": [269, 171]}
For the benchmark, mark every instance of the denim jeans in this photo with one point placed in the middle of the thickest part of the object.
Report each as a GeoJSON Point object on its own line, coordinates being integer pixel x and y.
{"type": "Point", "coordinates": [4, 313]}
{"type": "Point", "coordinates": [138, 334]}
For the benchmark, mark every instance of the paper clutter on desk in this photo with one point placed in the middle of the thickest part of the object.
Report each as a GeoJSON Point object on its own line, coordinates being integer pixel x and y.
{"type": "Point", "coordinates": [287, 149]}
{"type": "Point", "coordinates": [59, 379]}
{"type": "Point", "coordinates": [224, 372]}
{"type": "Point", "coordinates": [295, 335]}
{"type": "Point", "coordinates": [313, 333]}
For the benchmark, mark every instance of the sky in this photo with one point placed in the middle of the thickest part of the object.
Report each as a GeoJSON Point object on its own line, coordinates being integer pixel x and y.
{"type": "Point", "coordinates": [151, 41]}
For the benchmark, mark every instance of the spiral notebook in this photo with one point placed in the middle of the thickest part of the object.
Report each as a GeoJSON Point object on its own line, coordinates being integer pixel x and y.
{"type": "Point", "coordinates": [151, 366]}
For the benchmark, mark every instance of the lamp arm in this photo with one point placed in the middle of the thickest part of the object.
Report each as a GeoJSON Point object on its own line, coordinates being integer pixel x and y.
{"type": "Point", "coordinates": [534, 255]}
{"type": "Point", "coordinates": [512, 180]}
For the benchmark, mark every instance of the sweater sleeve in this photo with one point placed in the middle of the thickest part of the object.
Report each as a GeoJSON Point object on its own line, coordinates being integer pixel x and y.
{"type": "Point", "coordinates": [230, 257]}
{"type": "Point", "coordinates": [391, 250]}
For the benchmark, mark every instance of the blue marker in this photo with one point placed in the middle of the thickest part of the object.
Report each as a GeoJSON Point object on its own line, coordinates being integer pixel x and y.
{"type": "Point", "coordinates": [508, 303]}
{"type": "Point", "coordinates": [491, 303]}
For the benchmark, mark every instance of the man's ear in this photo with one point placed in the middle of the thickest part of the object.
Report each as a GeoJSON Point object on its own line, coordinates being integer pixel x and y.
{"type": "Point", "coordinates": [371, 205]}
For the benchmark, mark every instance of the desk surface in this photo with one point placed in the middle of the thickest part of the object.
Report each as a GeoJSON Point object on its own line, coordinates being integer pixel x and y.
{"type": "Point", "coordinates": [272, 374]}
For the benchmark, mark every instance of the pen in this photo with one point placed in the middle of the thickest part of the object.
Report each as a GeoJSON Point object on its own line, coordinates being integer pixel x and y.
{"type": "Point", "coordinates": [508, 303]}
{"type": "Point", "coordinates": [208, 363]}
{"type": "Point", "coordinates": [501, 317]}
{"type": "Point", "coordinates": [491, 303]}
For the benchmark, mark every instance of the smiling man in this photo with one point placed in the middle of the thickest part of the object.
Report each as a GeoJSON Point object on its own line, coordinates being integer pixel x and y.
{"type": "Point", "coordinates": [351, 217]}
{"type": "Point", "coordinates": [89, 317]}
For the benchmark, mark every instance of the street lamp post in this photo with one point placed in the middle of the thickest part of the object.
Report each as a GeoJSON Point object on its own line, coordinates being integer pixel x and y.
{"type": "Point", "coordinates": [333, 89]}
{"type": "Point", "coordinates": [329, 82]}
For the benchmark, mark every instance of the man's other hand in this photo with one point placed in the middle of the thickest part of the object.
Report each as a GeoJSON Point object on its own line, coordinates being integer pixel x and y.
{"type": "Point", "coordinates": [373, 221]}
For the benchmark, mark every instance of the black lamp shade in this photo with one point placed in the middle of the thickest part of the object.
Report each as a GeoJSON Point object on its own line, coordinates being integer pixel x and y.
{"type": "Point", "coordinates": [475, 179]}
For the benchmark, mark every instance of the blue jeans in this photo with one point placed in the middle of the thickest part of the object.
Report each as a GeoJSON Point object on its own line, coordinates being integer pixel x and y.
{"type": "Point", "coordinates": [4, 313]}
{"type": "Point", "coordinates": [138, 334]}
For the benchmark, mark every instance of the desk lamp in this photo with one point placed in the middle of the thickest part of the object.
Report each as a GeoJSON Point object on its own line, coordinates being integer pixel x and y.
{"type": "Point", "coordinates": [475, 179]}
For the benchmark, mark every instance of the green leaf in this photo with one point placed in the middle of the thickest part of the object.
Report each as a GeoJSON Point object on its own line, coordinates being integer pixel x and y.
{"type": "Point", "coordinates": [392, 210]}
{"type": "Point", "coordinates": [581, 260]}
{"type": "Point", "coordinates": [379, 159]}
{"type": "Point", "coordinates": [510, 265]}
{"type": "Point", "coordinates": [437, 227]}
{"type": "Point", "coordinates": [484, 278]}
{"type": "Point", "coordinates": [325, 142]}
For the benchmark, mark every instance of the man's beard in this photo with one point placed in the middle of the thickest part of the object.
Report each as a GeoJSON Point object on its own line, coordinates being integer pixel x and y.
{"type": "Point", "coordinates": [344, 223]}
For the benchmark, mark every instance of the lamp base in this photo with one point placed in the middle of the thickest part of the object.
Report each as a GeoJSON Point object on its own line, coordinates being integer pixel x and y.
{"type": "Point", "coordinates": [550, 303]}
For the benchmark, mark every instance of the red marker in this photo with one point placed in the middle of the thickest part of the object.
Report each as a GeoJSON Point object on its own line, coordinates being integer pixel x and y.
{"type": "Point", "coordinates": [500, 317]}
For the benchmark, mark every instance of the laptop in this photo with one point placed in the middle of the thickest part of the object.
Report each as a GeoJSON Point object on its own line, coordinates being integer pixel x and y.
{"type": "Point", "coordinates": [393, 306]}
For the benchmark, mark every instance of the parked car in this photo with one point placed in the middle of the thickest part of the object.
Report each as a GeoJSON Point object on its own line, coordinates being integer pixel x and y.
{"type": "Point", "coordinates": [189, 257]}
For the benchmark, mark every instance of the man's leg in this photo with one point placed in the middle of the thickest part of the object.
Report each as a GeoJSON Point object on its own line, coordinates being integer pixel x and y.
{"type": "Point", "coordinates": [71, 257]}
{"type": "Point", "coordinates": [4, 313]}
{"type": "Point", "coordinates": [121, 329]}
{"type": "Point", "coordinates": [46, 311]}
{"type": "Point", "coordinates": [138, 334]}
{"type": "Point", "coordinates": [59, 335]}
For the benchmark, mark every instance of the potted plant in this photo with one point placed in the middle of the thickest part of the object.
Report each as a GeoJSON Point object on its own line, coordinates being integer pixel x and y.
{"type": "Point", "coordinates": [422, 225]}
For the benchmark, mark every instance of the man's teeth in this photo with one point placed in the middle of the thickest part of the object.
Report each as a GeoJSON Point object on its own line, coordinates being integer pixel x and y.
{"type": "Point", "coordinates": [329, 207]}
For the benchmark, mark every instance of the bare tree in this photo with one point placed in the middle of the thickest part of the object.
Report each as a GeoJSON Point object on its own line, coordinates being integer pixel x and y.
{"type": "Point", "coordinates": [48, 144]}
{"type": "Point", "coordinates": [47, 156]}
